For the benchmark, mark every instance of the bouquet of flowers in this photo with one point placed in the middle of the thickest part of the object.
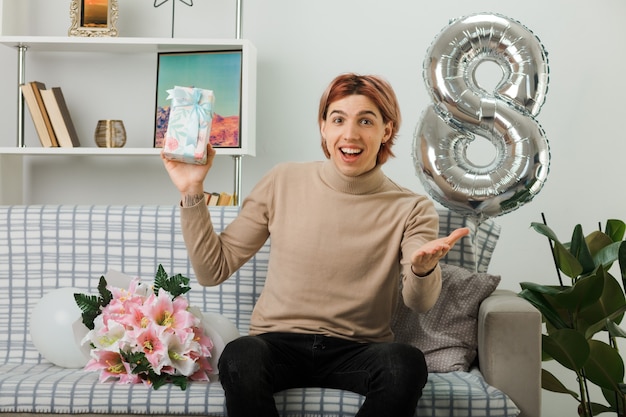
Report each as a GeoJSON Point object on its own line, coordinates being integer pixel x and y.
{"type": "Point", "coordinates": [146, 334]}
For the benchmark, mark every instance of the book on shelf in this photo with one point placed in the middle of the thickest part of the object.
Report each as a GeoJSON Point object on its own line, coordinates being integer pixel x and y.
{"type": "Point", "coordinates": [225, 199]}
{"type": "Point", "coordinates": [38, 112]}
{"type": "Point", "coordinates": [60, 117]}
{"type": "Point", "coordinates": [211, 198]}
{"type": "Point", "coordinates": [218, 199]}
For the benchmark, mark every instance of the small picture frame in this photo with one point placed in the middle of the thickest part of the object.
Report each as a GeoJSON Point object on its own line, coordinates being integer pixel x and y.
{"type": "Point", "coordinates": [93, 18]}
{"type": "Point", "coordinates": [218, 71]}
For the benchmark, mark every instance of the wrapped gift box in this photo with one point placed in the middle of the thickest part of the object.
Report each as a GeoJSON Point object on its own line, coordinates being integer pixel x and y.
{"type": "Point", "coordinates": [189, 124]}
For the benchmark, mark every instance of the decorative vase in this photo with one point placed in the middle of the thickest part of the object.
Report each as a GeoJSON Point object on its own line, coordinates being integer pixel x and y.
{"type": "Point", "coordinates": [110, 134]}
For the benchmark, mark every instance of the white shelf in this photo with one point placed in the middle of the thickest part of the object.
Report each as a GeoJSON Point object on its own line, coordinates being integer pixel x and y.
{"type": "Point", "coordinates": [93, 151]}
{"type": "Point", "coordinates": [80, 151]}
{"type": "Point", "coordinates": [122, 45]}
{"type": "Point", "coordinates": [12, 180]}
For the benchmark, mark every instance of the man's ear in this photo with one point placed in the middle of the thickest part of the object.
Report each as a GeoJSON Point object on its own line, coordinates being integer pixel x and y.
{"type": "Point", "coordinates": [388, 130]}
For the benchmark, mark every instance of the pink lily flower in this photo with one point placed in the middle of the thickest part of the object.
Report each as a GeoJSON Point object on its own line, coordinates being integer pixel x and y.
{"type": "Point", "coordinates": [112, 367]}
{"type": "Point", "coordinates": [149, 342]}
{"type": "Point", "coordinates": [170, 313]}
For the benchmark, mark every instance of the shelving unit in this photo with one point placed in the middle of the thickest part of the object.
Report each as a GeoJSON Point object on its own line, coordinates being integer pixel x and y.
{"type": "Point", "coordinates": [12, 158]}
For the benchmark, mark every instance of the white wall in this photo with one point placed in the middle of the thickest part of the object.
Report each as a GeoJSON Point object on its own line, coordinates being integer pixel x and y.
{"type": "Point", "coordinates": [303, 44]}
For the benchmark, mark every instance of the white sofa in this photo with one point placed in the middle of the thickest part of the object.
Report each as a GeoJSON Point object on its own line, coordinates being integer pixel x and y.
{"type": "Point", "coordinates": [48, 247]}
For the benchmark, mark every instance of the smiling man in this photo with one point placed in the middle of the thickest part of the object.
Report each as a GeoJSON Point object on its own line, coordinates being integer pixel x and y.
{"type": "Point", "coordinates": [344, 238]}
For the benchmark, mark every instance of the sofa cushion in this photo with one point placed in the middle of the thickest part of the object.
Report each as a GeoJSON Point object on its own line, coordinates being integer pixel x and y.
{"type": "Point", "coordinates": [447, 334]}
{"type": "Point", "coordinates": [46, 388]}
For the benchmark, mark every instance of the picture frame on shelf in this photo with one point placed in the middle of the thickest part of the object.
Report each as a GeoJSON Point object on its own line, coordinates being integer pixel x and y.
{"type": "Point", "coordinates": [95, 18]}
{"type": "Point", "coordinates": [218, 71]}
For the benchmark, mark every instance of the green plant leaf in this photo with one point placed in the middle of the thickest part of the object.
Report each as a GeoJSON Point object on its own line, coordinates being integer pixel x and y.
{"type": "Point", "coordinates": [541, 288]}
{"type": "Point", "coordinates": [575, 314]}
{"type": "Point", "coordinates": [597, 240]}
{"type": "Point", "coordinates": [605, 366]}
{"type": "Point", "coordinates": [600, 408]}
{"type": "Point", "coordinates": [582, 293]}
{"type": "Point", "coordinates": [605, 324]}
{"type": "Point", "coordinates": [622, 262]}
{"type": "Point", "coordinates": [551, 383]}
{"type": "Point", "coordinates": [568, 347]}
{"type": "Point", "coordinates": [611, 304]}
{"type": "Point", "coordinates": [565, 261]}
{"type": "Point", "coordinates": [579, 249]}
{"type": "Point", "coordinates": [544, 230]}
{"type": "Point", "coordinates": [533, 293]}
{"type": "Point", "coordinates": [607, 255]}
{"type": "Point", "coordinates": [615, 229]}
{"type": "Point", "coordinates": [614, 329]}
{"type": "Point", "coordinates": [613, 398]}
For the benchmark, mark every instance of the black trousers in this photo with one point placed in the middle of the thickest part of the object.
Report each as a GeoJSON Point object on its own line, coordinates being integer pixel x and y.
{"type": "Point", "coordinates": [252, 368]}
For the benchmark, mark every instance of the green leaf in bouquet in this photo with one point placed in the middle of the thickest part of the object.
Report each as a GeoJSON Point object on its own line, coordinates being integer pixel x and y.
{"type": "Point", "coordinates": [105, 295]}
{"type": "Point", "coordinates": [138, 361]}
{"type": "Point", "coordinates": [175, 285]}
{"type": "Point", "coordinates": [91, 305]}
{"type": "Point", "coordinates": [90, 308]}
{"type": "Point", "coordinates": [180, 381]}
{"type": "Point", "coordinates": [158, 381]}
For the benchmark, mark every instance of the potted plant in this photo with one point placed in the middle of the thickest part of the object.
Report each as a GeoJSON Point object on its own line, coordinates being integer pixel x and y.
{"type": "Point", "coordinates": [582, 316]}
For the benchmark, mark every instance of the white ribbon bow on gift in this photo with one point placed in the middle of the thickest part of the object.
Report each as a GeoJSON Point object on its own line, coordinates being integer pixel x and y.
{"type": "Point", "coordinates": [201, 111]}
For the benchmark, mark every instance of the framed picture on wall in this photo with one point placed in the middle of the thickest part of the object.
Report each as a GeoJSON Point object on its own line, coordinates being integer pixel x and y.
{"type": "Point", "coordinates": [93, 18]}
{"type": "Point", "coordinates": [218, 71]}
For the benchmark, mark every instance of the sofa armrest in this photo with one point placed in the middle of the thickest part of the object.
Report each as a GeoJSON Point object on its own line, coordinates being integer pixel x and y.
{"type": "Point", "coordinates": [509, 349]}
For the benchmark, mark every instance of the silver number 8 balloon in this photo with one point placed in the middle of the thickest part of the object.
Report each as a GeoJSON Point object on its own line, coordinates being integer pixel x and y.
{"type": "Point", "coordinates": [462, 110]}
